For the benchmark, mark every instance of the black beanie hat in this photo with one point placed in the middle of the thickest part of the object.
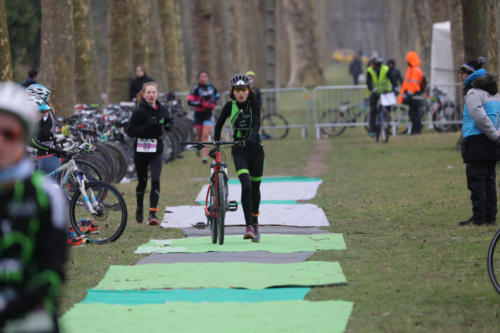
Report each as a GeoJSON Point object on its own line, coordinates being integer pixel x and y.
{"type": "Point", "coordinates": [473, 65]}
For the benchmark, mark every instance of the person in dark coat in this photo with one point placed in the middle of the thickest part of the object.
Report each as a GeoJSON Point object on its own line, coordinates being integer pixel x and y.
{"type": "Point", "coordinates": [146, 125]}
{"type": "Point", "coordinates": [355, 68]}
{"type": "Point", "coordinates": [31, 79]}
{"type": "Point", "coordinates": [136, 84]}
{"type": "Point", "coordinates": [481, 140]}
{"type": "Point", "coordinates": [394, 75]}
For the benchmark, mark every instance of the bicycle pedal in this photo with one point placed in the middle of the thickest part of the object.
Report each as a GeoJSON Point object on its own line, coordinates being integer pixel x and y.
{"type": "Point", "coordinates": [233, 206]}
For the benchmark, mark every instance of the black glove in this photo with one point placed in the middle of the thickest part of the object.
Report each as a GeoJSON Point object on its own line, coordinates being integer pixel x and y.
{"type": "Point", "coordinates": [252, 140]}
{"type": "Point", "coordinates": [212, 152]}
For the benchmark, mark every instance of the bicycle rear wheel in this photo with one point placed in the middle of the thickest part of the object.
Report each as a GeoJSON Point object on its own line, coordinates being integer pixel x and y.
{"type": "Point", "coordinates": [221, 205]}
{"type": "Point", "coordinates": [385, 128]}
{"type": "Point", "coordinates": [333, 116]}
{"type": "Point", "coordinates": [110, 219]}
{"type": "Point", "coordinates": [274, 126]}
{"type": "Point", "coordinates": [493, 262]}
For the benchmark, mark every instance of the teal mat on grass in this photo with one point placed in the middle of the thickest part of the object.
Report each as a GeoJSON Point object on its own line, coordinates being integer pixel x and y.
{"type": "Point", "coordinates": [265, 317]}
{"type": "Point", "coordinates": [222, 275]}
{"type": "Point", "coordinates": [276, 243]}
{"type": "Point", "coordinates": [160, 296]}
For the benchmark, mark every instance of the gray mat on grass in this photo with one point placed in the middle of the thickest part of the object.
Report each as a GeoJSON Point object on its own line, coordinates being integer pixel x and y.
{"type": "Point", "coordinates": [253, 256]}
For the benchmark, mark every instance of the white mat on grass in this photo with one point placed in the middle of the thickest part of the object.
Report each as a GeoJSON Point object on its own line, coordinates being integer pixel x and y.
{"type": "Point", "coordinates": [298, 215]}
{"type": "Point", "coordinates": [288, 190]}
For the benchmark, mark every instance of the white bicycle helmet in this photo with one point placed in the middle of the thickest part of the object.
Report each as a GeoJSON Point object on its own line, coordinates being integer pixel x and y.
{"type": "Point", "coordinates": [39, 90]}
{"type": "Point", "coordinates": [39, 103]}
{"type": "Point", "coordinates": [14, 100]}
{"type": "Point", "coordinates": [240, 80]}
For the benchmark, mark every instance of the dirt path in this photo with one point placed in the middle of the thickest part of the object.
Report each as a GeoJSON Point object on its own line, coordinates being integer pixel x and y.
{"type": "Point", "coordinates": [315, 164]}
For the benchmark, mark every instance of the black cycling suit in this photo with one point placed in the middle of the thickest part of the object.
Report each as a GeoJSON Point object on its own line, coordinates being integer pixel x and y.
{"type": "Point", "coordinates": [33, 246]}
{"type": "Point", "coordinates": [248, 158]}
{"type": "Point", "coordinates": [148, 123]}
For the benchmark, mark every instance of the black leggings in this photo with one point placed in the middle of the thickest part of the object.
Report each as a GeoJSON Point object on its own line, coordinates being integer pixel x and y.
{"type": "Point", "coordinates": [142, 161]}
{"type": "Point", "coordinates": [249, 164]}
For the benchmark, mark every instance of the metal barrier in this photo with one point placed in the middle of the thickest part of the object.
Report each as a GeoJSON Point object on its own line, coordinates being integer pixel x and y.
{"type": "Point", "coordinates": [347, 106]}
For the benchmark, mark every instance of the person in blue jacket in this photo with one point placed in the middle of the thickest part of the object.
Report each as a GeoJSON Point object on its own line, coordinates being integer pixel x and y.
{"type": "Point", "coordinates": [481, 139]}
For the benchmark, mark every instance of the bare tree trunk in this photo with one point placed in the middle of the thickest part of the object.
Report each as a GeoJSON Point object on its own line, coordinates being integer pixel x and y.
{"type": "Point", "coordinates": [5, 57]}
{"type": "Point", "coordinates": [475, 28]}
{"type": "Point", "coordinates": [202, 38]}
{"type": "Point", "coordinates": [301, 28]}
{"type": "Point", "coordinates": [172, 44]}
{"type": "Point", "coordinates": [497, 25]}
{"type": "Point", "coordinates": [85, 69]}
{"type": "Point", "coordinates": [140, 46]}
{"type": "Point", "coordinates": [283, 66]}
{"type": "Point", "coordinates": [156, 56]}
{"type": "Point", "coordinates": [57, 63]}
{"type": "Point", "coordinates": [221, 58]}
{"type": "Point", "coordinates": [119, 50]}
{"type": "Point", "coordinates": [492, 38]}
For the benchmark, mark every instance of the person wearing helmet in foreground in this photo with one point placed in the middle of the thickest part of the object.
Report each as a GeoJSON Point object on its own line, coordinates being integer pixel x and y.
{"type": "Point", "coordinates": [45, 139]}
{"type": "Point", "coordinates": [33, 224]}
{"type": "Point", "coordinates": [377, 82]}
{"type": "Point", "coordinates": [244, 113]}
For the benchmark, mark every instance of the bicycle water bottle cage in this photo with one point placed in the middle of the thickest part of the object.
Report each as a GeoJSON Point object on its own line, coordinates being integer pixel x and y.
{"type": "Point", "coordinates": [233, 206]}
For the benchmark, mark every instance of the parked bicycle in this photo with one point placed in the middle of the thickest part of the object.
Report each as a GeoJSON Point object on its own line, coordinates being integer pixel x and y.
{"type": "Point", "coordinates": [97, 210]}
{"type": "Point", "coordinates": [216, 201]}
{"type": "Point", "coordinates": [273, 125]}
{"type": "Point", "coordinates": [383, 120]}
{"type": "Point", "coordinates": [346, 113]}
{"type": "Point", "coordinates": [493, 262]}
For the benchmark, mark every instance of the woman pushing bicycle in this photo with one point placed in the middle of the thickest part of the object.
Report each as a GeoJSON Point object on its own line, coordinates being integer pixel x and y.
{"type": "Point", "coordinates": [146, 125]}
{"type": "Point", "coordinates": [244, 113]}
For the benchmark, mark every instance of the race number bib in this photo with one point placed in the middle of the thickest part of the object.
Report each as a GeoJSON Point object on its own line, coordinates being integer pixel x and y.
{"type": "Point", "coordinates": [146, 145]}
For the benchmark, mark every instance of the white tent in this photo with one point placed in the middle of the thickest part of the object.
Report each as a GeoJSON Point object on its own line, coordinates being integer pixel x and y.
{"type": "Point", "coordinates": [442, 68]}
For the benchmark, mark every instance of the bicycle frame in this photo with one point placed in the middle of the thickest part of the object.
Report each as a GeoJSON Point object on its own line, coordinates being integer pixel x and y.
{"type": "Point", "coordinates": [70, 169]}
{"type": "Point", "coordinates": [216, 168]}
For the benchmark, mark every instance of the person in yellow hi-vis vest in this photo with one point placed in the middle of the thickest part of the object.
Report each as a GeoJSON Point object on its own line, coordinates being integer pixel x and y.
{"type": "Point", "coordinates": [377, 82]}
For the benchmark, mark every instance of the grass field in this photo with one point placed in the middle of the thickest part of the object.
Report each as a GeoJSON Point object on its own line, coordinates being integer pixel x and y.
{"type": "Point", "coordinates": [409, 267]}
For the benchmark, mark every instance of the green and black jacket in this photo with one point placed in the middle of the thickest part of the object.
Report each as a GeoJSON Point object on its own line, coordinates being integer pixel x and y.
{"type": "Point", "coordinates": [245, 120]}
{"type": "Point", "coordinates": [32, 245]}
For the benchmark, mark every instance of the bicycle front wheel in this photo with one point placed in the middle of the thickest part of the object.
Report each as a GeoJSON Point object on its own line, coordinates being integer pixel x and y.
{"type": "Point", "coordinates": [212, 207]}
{"type": "Point", "coordinates": [493, 262]}
{"type": "Point", "coordinates": [221, 205]}
{"type": "Point", "coordinates": [274, 126]}
{"type": "Point", "coordinates": [108, 219]}
{"type": "Point", "coordinates": [333, 116]}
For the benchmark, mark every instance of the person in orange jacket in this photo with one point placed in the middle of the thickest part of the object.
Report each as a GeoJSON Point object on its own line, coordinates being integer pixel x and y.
{"type": "Point", "coordinates": [411, 90]}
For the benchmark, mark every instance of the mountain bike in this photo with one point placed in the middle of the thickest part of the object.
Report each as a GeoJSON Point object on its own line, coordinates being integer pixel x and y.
{"type": "Point", "coordinates": [345, 114]}
{"type": "Point", "coordinates": [92, 203]}
{"type": "Point", "coordinates": [216, 201]}
{"type": "Point", "coordinates": [493, 262]}
{"type": "Point", "coordinates": [383, 120]}
{"type": "Point", "coordinates": [274, 125]}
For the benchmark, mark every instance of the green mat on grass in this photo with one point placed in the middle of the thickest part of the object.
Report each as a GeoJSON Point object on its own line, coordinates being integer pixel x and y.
{"type": "Point", "coordinates": [269, 242]}
{"type": "Point", "coordinates": [160, 296]}
{"type": "Point", "coordinates": [280, 179]}
{"type": "Point", "coordinates": [286, 316]}
{"type": "Point", "coordinates": [222, 275]}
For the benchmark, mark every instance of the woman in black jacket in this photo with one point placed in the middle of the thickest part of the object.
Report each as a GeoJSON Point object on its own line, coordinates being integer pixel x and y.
{"type": "Point", "coordinates": [244, 113]}
{"type": "Point", "coordinates": [146, 125]}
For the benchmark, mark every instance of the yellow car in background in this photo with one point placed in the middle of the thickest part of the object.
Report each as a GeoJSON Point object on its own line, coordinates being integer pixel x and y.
{"type": "Point", "coordinates": [345, 56]}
